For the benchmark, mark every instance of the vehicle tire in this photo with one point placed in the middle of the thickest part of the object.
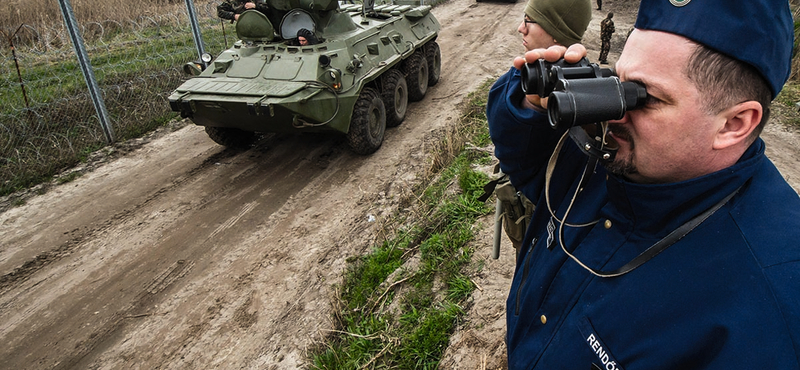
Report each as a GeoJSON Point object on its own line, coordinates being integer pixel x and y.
{"type": "Point", "coordinates": [416, 68]}
{"type": "Point", "coordinates": [434, 57]}
{"type": "Point", "coordinates": [368, 123]}
{"type": "Point", "coordinates": [395, 96]}
{"type": "Point", "coordinates": [231, 137]}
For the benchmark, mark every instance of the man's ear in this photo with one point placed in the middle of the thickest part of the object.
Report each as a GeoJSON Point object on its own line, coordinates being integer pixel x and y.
{"type": "Point", "coordinates": [740, 121]}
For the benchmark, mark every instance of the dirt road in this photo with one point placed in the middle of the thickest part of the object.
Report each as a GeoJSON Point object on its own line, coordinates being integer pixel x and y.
{"type": "Point", "coordinates": [183, 255]}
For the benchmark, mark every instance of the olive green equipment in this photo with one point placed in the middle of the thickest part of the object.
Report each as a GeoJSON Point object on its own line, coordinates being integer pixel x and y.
{"type": "Point", "coordinates": [371, 61]}
{"type": "Point", "coordinates": [513, 211]}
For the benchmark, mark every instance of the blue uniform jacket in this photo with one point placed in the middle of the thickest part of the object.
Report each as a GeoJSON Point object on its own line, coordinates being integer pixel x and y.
{"type": "Point", "coordinates": [725, 296]}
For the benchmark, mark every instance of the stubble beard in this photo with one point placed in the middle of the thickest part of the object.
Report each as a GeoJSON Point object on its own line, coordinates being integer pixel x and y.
{"type": "Point", "coordinates": [623, 166]}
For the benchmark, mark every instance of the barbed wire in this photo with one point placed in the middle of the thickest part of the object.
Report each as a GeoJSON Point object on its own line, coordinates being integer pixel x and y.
{"type": "Point", "coordinates": [47, 119]}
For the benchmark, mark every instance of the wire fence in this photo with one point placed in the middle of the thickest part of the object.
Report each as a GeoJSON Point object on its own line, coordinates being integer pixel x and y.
{"type": "Point", "coordinates": [47, 119]}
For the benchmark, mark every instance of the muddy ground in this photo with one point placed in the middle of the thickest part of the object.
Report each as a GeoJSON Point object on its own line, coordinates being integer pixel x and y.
{"type": "Point", "coordinates": [180, 254]}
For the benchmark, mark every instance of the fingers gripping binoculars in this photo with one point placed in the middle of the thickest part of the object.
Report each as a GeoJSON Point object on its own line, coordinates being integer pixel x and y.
{"type": "Point", "coordinates": [580, 93]}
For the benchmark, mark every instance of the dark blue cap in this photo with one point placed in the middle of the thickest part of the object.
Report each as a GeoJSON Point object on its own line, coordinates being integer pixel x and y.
{"type": "Point", "coordinates": [757, 32]}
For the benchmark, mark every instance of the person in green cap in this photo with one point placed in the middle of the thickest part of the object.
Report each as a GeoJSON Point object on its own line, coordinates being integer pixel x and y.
{"type": "Point", "coordinates": [546, 23]}
{"type": "Point", "coordinates": [551, 22]}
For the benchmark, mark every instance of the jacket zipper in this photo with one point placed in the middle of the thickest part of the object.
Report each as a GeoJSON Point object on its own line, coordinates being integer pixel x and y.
{"type": "Point", "coordinates": [525, 269]}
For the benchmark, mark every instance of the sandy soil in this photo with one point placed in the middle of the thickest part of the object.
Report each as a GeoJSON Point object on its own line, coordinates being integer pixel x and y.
{"type": "Point", "coordinates": [180, 254]}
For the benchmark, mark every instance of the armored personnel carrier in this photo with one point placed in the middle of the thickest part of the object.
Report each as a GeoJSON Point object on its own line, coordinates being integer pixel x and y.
{"type": "Point", "coordinates": [369, 62]}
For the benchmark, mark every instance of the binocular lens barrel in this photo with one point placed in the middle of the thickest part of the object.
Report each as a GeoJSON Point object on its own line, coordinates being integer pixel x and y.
{"type": "Point", "coordinates": [531, 77]}
{"type": "Point", "coordinates": [582, 101]}
{"type": "Point", "coordinates": [541, 77]}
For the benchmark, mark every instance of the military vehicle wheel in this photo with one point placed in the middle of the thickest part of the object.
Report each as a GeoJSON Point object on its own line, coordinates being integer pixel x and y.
{"type": "Point", "coordinates": [368, 123]}
{"type": "Point", "coordinates": [434, 57]}
{"type": "Point", "coordinates": [231, 137]}
{"type": "Point", "coordinates": [417, 76]}
{"type": "Point", "coordinates": [395, 97]}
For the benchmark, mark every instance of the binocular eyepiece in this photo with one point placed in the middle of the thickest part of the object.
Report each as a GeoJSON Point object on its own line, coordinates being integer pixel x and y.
{"type": "Point", "coordinates": [580, 93]}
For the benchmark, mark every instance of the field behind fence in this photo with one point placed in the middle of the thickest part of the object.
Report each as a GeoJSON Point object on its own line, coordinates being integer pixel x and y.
{"type": "Point", "coordinates": [47, 119]}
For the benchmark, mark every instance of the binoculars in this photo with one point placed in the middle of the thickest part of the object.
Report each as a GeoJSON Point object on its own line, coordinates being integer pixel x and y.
{"type": "Point", "coordinates": [580, 93]}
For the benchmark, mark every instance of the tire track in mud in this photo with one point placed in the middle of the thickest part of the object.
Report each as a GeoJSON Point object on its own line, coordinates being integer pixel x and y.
{"type": "Point", "coordinates": [470, 49]}
{"type": "Point", "coordinates": [162, 281]}
{"type": "Point", "coordinates": [235, 305]}
{"type": "Point", "coordinates": [284, 253]}
{"type": "Point", "coordinates": [21, 274]}
{"type": "Point", "coordinates": [141, 303]}
{"type": "Point", "coordinates": [242, 193]}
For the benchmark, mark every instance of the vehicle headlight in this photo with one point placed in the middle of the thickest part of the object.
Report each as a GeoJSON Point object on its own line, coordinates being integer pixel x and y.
{"type": "Point", "coordinates": [193, 68]}
{"type": "Point", "coordinates": [333, 77]}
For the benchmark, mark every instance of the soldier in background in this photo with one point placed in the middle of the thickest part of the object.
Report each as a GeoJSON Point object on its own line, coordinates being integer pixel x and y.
{"type": "Point", "coordinates": [606, 30]}
{"type": "Point", "coordinates": [230, 9]}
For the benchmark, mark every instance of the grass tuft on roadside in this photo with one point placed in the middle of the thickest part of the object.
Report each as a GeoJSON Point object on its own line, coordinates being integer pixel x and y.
{"type": "Point", "coordinates": [399, 303]}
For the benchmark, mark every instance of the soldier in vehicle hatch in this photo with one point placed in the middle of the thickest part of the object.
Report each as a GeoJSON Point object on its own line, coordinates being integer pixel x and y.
{"type": "Point", "coordinates": [230, 9]}
{"type": "Point", "coordinates": [306, 37]}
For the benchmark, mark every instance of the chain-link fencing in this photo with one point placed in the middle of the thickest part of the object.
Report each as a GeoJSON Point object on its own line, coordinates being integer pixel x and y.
{"type": "Point", "coordinates": [47, 119]}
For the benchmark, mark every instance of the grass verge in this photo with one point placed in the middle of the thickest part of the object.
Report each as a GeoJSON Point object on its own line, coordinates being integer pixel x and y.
{"type": "Point", "coordinates": [399, 304]}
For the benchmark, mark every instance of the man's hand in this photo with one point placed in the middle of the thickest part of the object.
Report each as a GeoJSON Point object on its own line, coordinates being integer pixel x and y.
{"type": "Point", "coordinates": [250, 5]}
{"type": "Point", "coordinates": [573, 54]}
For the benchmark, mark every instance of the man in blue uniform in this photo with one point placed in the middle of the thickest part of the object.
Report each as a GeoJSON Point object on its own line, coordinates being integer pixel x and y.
{"type": "Point", "coordinates": [683, 250]}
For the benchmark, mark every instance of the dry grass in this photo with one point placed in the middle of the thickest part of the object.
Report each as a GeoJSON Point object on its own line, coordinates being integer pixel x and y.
{"type": "Point", "coordinates": [36, 13]}
{"type": "Point", "coordinates": [795, 76]}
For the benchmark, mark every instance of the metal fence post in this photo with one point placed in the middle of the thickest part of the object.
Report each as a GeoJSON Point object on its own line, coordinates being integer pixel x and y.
{"type": "Point", "coordinates": [16, 64]}
{"type": "Point", "coordinates": [198, 37]}
{"type": "Point", "coordinates": [86, 68]}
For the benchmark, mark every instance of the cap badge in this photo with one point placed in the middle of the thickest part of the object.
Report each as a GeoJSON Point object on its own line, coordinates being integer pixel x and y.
{"type": "Point", "coordinates": [679, 3]}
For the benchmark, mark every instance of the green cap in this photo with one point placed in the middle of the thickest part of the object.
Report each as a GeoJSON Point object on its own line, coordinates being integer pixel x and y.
{"type": "Point", "coordinates": [565, 20]}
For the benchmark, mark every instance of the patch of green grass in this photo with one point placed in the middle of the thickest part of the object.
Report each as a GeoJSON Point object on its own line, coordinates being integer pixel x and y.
{"type": "Point", "coordinates": [396, 313]}
{"type": "Point", "coordinates": [785, 105]}
{"type": "Point", "coordinates": [460, 287]}
{"type": "Point", "coordinates": [427, 339]}
{"type": "Point", "coordinates": [790, 95]}
{"type": "Point", "coordinates": [366, 273]}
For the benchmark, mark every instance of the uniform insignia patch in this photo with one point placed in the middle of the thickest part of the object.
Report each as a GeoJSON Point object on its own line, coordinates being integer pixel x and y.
{"type": "Point", "coordinates": [551, 228]}
{"type": "Point", "coordinates": [604, 356]}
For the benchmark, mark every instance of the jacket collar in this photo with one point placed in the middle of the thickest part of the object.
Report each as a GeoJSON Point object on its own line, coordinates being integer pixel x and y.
{"type": "Point", "coordinates": [661, 208]}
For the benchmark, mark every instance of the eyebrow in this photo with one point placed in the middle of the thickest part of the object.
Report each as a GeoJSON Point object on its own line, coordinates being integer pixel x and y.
{"type": "Point", "coordinates": [654, 90]}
